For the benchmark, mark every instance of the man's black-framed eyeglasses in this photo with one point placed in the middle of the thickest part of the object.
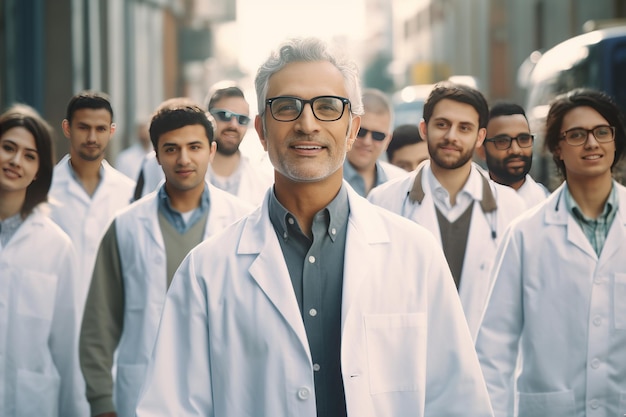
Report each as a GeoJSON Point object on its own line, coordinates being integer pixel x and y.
{"type": "Point", "coordinates": [226, 116]}
{"type": "Point", "coordinates": [325, 108]}
{"type": "Point", "coordinates": [578, 135]}
{"type": "Point", "coordinates": [377, 136]}
{"type": "Point", "coordinates": [503, 142]}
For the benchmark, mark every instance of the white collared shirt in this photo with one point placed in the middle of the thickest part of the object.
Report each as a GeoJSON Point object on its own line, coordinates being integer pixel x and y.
{"type": "Point", "coordinates": [471, 191]}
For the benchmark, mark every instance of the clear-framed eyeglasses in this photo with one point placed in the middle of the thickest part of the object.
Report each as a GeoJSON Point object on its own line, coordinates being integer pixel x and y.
{"type": "Point", "coordinates": [578, 136]}
{"type": "Point", "coordinates": [503, 142]}
{"type": "Point", "coordinates": [324, 108]}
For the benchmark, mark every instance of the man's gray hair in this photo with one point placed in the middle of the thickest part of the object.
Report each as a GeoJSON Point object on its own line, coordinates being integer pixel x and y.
{"type": "Point", "coordinates": [308, 50]}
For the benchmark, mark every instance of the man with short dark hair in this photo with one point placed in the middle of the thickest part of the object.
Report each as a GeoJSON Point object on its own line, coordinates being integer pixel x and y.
{"type": "Point", "coordinates": [140, 253]}
{"type": "Point", "coordinates": [450, 195]}
{"type": "Point", "coordinates": [558, 302]}
{"type": "Point", "coordinates": [230, 170]}
{"type": "Point", "coordinates": [86, 191]}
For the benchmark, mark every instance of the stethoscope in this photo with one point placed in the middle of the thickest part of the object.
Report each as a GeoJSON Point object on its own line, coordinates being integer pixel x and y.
{"type": "Point", "coordinates": [409, 207]}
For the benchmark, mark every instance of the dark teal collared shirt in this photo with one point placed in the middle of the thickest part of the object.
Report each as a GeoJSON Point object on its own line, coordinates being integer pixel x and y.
{"type": "Point", "coordinates": [175, 218]}
{"type": "Point", "coordinates": [316, 270]}
{"type": "Point", "coordinates": [596, 230]}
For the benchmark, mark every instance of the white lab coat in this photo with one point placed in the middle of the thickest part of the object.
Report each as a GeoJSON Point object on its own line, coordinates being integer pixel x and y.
{"type": "Point", "coordinates": [392, 171]}
{"type": "Point", "coordinates": [481, 243]}
{"type": "Point", "coordinates": [85, 219]}
{"type": "Point", "coordinates": [39, 373]}
{"type": "Point", "coordinates": [567, 307]}
{"type": "Point", "coordinates": [232, 341]}
{"type": "Point", "coordinates": [532, 192]}
{"type": "Point", "coordinates": [255, 178]}
{"type": "Point", "coordinates": [129, 161]}
{"type": "Point", "coordinates": [143, 263]}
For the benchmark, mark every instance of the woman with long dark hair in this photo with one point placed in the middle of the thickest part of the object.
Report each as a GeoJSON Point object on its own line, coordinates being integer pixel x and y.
{"type": "Point", "coordinates": [38, 323]}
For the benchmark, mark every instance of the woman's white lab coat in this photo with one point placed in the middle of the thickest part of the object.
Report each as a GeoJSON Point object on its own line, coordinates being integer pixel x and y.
{"type": "Point", "coordinates": [39, 374]}
{"type": "Point", "coordinates": [484, 234]}
{"type": "Point", "coordinates": [232, 341]}
{"type": "Point", "coordinates": [143, 261]}
{"type": "Point", "coordinates": [567, 307]}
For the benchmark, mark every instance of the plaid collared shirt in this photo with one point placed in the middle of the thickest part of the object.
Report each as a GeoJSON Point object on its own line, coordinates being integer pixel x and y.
{"type": "Point", "coordinates": [597, 229]}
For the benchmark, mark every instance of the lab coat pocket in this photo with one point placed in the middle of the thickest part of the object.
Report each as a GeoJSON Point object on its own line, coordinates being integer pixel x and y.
{"type": "Point", "coordinates": [128, 387]}
{"type": "Point", "coordinates": [396, 351]}
{"type": "Point", "coordinates": [37, 394]}
{"type": "Point", "coordinates": [36, 294]}
{"type": "Point", "coordinates": [553, 404]}
{"type": "Point", "coordinates": [619, 301]}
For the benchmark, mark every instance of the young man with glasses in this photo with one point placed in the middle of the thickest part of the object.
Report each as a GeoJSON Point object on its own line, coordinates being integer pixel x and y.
{"type": "Point", "coordinates": [362, 168]}
{"type": "Point", "coordinates": [559, 298]}
{"type": "Point", "coordinates": [451, 195]}
{"type": "Point", "coordinates": [318, 303]}
{"type": "Point", "coordinates": [508, 152]}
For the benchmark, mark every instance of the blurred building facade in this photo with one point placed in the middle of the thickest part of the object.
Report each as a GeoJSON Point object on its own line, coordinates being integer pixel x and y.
{"type": "Point", "coordinates": [488, 39]}
{"type": "Point", "coordinates": [137, 51]}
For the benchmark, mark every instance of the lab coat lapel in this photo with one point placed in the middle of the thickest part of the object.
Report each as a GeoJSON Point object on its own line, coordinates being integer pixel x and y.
{"type": "Point", "coordinates": [64, 176]}
{"type": "Point", "coordinates": [365, 229]}
{"type": "Point", "coordinates": [558, 214]}
{"type": "Point", "coordinates": [218, 214]}
{"type": "Point", "coordinates": [269, 269]}
{"type": "Point", "coordinates": [616, 237]}
{"type": "Point", "coordinates": [149, 219]}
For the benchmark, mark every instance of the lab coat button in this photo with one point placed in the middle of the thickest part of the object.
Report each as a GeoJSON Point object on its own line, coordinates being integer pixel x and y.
{"type": "Point", "coordinates": [597, 320]}
{"type": "Point", "coordinates": [304, 393]}
{"type": "Point", "coordinates": [594, 404]}
{"type": "Point", "coordinates": [595, 363]}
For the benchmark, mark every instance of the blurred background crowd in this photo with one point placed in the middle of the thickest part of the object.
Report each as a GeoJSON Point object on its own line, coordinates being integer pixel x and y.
{"type": "Point", "coordinates": [144, 51]}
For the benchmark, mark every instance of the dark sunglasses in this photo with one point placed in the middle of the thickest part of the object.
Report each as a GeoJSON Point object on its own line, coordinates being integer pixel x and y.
{"type": "Point", "coordinates": [379, 136]}
{"type": "Point", "coordinates": [226, 116]}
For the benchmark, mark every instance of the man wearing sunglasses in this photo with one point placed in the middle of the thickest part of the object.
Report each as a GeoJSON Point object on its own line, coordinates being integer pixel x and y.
{"type": "Point", "coordinates": [508, 152]}
{"type": "Point", "coordinates": [362, 169]}
{"type": "Point", "coordinates": [230, 170]}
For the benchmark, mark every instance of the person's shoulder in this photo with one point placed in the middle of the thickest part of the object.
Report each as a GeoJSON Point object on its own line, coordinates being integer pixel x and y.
{"type": "Point", "coordinates": [397, 185]}
{"type": "Point", "coordinates": [392, 171]}
{"type": "Point", "coordinates": [233, 202]}
{"type": "Point", "coordinates": [55, 236]}
{"type": "Point", "coordinates": [148, 204]}
{"type": "Point", "coordinates": [219, 246]}
{"type": "Point", "coordinates": [395, 224]}
{"type": "Point", "coordinates": [113, 176]}
{"type": "Point", "coordinates": [60, 173]}
{"type": "Point", "coordinates": [621, 191]}
{"type": "Point", "coordinates": [532, 220]}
